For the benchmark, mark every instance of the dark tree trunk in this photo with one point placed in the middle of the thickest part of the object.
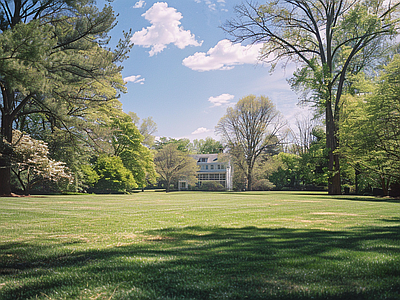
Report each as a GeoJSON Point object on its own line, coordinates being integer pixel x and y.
{"type": "Point", "coordinates": [5, 171]}
{"type": "Point", "coordinates": [334, 181]}
{"type": "Point", "coordinates": [250, 175]}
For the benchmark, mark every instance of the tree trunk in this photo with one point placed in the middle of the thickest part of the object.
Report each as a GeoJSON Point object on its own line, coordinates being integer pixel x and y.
{"type": "Point", "coordinates": [334, 181]}
{"type": "Point", "coordinates": [249, 179]}
{"type": "Point", "coordinates": [5, 178]}
{"type": "Point", "coordinates": [357, 173]}
{"type": "Point", "coordinates": [385, 183]}
{"type": "Point", "coordinates": [5, 171]}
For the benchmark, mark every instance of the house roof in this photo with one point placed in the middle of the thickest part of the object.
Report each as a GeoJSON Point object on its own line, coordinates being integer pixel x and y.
{"type": "Point", "coordinates": [210, 157]}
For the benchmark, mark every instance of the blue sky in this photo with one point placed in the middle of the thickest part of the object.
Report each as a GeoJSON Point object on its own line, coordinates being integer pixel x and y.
{"type": "Point", "coordinates": [183, 72]}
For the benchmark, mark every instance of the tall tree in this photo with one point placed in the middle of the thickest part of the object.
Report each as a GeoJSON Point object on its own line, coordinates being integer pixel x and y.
{"type": "Point", "coordinates": [53, 59]}
{"type": "Point", "coordinates": [127, 144]}
{"type": "Point", "coordinates": [147, 128]}
{"type": "Point", "coordinates": [173, 164]}
{"type": "Point", "coordinates": [207, 146]}
{"type": "Point", "coordinates": [370, 130]}
{"type": "Point", "coordinates": [249, 129]}
{"type": "Point", "coordinates": [328, 39]}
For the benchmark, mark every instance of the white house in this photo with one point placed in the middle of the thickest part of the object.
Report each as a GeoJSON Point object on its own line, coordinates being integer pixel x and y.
{"type": "Point", "coordinates": [210, 169]}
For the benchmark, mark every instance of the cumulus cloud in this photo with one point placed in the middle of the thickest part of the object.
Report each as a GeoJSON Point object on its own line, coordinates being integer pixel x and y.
{"type": "Point", "coordinates": [224, 56]}
{"type": "Point", "coordinates": [135, 79]}
{"type": "Point", "coordinates": [139, 4]}
{"type": "Point", "coordinates": [201, 130]}
{"type": "Point", "coordinates": [220, 100]}
{"type": "Point", "coordinates": [165, 29]}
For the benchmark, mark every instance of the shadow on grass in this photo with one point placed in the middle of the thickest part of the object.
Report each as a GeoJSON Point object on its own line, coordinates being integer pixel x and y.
{"type": "Point", "coordinates": [212, 263]}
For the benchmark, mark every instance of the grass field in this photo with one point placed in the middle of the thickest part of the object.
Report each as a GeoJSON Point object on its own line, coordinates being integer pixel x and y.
{"type": "Point", "coordinates": [194, 245]}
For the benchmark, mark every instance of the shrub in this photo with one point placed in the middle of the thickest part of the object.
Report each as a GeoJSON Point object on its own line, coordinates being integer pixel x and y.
{"type": "Point", "coordinates": [263, 185]}
{"type": "Point", "coordinates": [212, 186]}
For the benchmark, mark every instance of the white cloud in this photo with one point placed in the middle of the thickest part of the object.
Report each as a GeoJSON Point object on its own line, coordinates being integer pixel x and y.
{"type": "Point", "coordinates": [165, 29]}
{"type": "Point", "coordinates": [211, 5]}
{"type": "Point", "coordinates": [224, 56]}
{"type": "Point", "coordinates": [139, 4]}
{"type": "Point", "coordinates": [201, 130]}
{"type": "Point", "coordinates": [135, 79]}
{"type": "Point", "coordinates": [220, 100]}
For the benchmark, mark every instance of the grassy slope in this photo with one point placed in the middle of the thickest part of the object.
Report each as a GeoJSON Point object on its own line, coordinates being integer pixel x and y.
{"type": "Point", "coordinates": [271, 245]}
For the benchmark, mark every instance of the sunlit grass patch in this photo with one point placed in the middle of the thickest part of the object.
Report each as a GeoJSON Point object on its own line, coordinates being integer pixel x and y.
{"type": "Point", "coordinates": [253, 245]}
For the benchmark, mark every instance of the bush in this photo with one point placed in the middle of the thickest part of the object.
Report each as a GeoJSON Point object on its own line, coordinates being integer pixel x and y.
{"type": "Point", "coordinates": [113, 176]}
{"type": "Point", "coordinates": [212, 186]}
{"type": "Point", "coordinates": [263, 185]}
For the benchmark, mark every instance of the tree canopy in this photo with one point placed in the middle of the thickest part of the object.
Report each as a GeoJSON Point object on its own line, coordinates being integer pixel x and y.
{"type": "Point", "coordinates": [328, 39]}
{"type": "Point", "coordinates": [249, 129]}
{"type": "Point", "coordinates": [370, 129]}
{"type": "Point", "coordinates": [54, 60]}
{"type": "Point", "coordinates": [173, 164]}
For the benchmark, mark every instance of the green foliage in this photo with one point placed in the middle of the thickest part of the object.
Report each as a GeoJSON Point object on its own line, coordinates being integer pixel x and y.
{"type": "Point", "coordinates": [90, 176]}
{"type": "Point", "coordinates": [288, 173]}
{"type": "Point", "coordinates": [328, 41]}
{"type": "Point", "coordinates": [263, 185]}
{"type": "Point", "coordinates": [54, 64]}
{"type": "Point", "coordinates": [307, 169]}
{"type": "Point", "coordinates": [212, 186]}
{"type": "Point", "coordinates": [249, 129]}
{"type": "Point", "coordinates": [370, 129]}
{"type": "Point", "coordinates": [173, 164]}
{"type": "Point", "coordinates": [113, 176]}
{"type": "Point", "coordinates": [207, 146]}
{"type": "Point", "coordinates": [147, 128]}
{"type": "Point", "coordinates": [127, 144]}
{"type": "Point", "coordinates": [183, 145]}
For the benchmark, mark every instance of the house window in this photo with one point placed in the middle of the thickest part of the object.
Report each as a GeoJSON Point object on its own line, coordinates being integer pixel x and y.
{"type": "Point", "coordinates": [203, 176]}
{"type": "Point", "coordinates": [203, 159]}
{"type": "Point", "coordinates": [212, 167]}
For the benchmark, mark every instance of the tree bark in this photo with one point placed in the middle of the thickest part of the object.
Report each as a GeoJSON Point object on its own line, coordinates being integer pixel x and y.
{"type": "Point", "coordinates": [249, 182]}
{"type": "Point", "coordinates": [334, 181]}
{"type": "Point", "coordinates": [5, 171]}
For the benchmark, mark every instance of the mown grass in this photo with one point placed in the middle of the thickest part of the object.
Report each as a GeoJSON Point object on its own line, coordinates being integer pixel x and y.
{"type": "Point", "coordinates": [267, 245]}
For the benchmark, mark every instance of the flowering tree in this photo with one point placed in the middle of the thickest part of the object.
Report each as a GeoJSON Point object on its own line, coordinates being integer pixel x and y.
{"type": "Point", "coordinates": [30, 162]}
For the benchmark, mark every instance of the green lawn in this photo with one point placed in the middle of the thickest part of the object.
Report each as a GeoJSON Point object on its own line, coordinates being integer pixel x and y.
{"type": "Point", "coordinates": [193, 245]}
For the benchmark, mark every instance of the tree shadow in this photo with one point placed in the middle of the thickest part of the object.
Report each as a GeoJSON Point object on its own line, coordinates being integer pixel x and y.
{"type": "Point", "coordinates": [214, 263]}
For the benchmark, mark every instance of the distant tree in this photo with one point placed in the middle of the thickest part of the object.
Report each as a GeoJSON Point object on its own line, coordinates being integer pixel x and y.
{"type": "Point", "coordinates": [172, 164]}
{"type": "Point", "coordinates": [288, 173]}
{"type": "Point", "coordinates": [302, 135]}
{"type": "Point", "coordinates": [147, 128]}
{"type": "Point", "coordinates": [112, 175]}
{"type": "Point", "coordinates": [249, 129]}
{"type": "Point", "coordinates": [328, 40]}
{"type": "Point", "coordinates": [183, 144]}
{"type": "Point", "coordinates": [127, 144]}
{"type": "Point", "coordinates": [207, 146]}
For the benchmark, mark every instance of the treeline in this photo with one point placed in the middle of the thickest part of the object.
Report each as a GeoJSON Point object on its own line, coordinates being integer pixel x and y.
{"type": "Point", "coordinates": [63, 129]}
{"type": "Point", "coordinates": [121, 153]}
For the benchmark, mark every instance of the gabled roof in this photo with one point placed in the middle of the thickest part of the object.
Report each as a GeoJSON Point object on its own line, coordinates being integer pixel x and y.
{"type": "Point", "coordinates": [210, 157]}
